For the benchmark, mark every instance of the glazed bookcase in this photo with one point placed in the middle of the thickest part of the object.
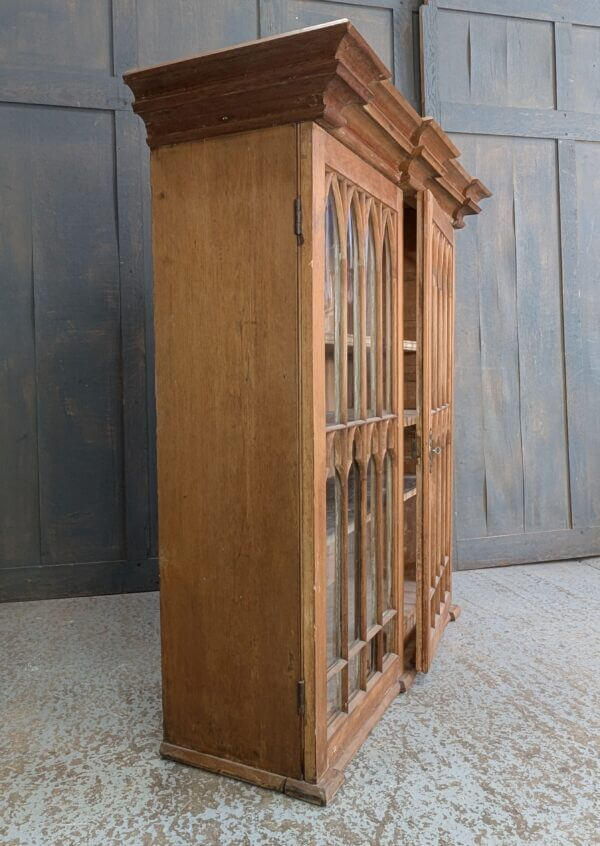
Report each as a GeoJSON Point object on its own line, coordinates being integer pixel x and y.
{"type": "Point", "coordinates": [303, 233]}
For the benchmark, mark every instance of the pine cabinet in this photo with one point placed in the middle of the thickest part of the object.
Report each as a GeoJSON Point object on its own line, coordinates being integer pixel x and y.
{"type": "Point", "coordinates": [303, 235]}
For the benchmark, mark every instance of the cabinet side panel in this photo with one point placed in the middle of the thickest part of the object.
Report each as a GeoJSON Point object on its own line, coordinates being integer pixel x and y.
{"type": "Point", "coordinates": [225, 259]}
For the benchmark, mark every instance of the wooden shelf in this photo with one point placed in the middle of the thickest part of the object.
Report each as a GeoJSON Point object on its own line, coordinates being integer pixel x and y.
{"type": "Point", "coordinates": [410, 416]}
{"type": "Point", "coordinates": [409, 346]}
{"type": "Point", "coordinates": [410, 487]}
{"type": "Point", "coordinates": [410, 607]}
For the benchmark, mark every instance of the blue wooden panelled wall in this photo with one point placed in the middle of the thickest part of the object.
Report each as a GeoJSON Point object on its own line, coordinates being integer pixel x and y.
{"type": "Point", "coordinates": [78, 492]}
{"type": "Point", "coordinates": [517, 82]}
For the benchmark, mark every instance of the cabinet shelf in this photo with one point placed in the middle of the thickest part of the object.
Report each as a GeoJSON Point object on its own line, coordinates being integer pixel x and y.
{"type": "Point", "coordinates": [410, 487]}
{"type": "Point", "coordinates": [410, 416]}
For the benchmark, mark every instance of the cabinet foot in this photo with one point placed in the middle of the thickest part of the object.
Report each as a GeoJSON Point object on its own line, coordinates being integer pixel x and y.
{"type": "Point", "coordinates": [454, 613]}
{"type": "Point", "coordinates": [406, 680]}
{"type": "Point", "coordinates": [317, 794]}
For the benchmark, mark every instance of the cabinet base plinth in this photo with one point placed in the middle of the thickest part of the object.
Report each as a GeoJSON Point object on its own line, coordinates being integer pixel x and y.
{"type": "Point", "coordinates": [454, 613]}
{"type": "Point", "coordinates": [233, 769]}
{"type": "Point", "coordinates": [317, 794]}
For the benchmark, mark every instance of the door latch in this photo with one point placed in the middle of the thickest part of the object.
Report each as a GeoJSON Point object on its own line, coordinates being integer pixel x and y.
{"type": "Point", "coordinates": [433, 450]}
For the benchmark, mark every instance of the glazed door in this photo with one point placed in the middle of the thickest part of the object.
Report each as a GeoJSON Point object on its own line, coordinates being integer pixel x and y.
{"type": "Point", "coordinates": [358, 437]}
{"type": "Point", "coordinates": [437, 299]}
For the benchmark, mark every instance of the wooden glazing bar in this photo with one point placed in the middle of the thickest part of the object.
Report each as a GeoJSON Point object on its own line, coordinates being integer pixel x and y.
{"type": "Point", "coordinates": [440, 320]}
{"type": "Point", "coordinates": [445, 514]}
{"type": "Point", "coordinates": [437, 465]}
{"type": "Point", "coordinates": [444, 377]}
{"type": "Point", "coordinates": [343, 467]}
{"type": "Point", "coordinates": [388, 615]}
{"type": "Point", "coordinates": [343, 357]}
{"type": "Point", "coordinates": [356, 204]}
{"type": "Point", "coordinates": [362, 239]}
{"type": "Point", "coordinates": [424, 251]}
{"type": "Point", "coordinates": [355, 648]}
{"type": "Point", "coordinates": [434, 320]}
{"type": "Point", "coordinates": [340, 336]}
{"type": "Point", "coordinates": [448, 400]}
{"type": "Point", "coordinates": [442, 295]}
{"type": "Point", "coordinates": [364, 481]}
{"type": "Point", "coordinates": [380, 469]}
{"type": "Point", "coordinates": [379, 306]}
{"type": "Point", "coordinates": [393, 225]}
{"type": "Point", "coordinates": [379, 234]}
{"type": "Point", "coordinates": [443, 394]}
{"type": "Point", "coordinates": [438, 329]}
{"type": "Point", "coordinates": [451, 277]}
{"type": "Point", "coordinates": [336, 668]}
{"type": "Point", "coordinates": [444, 415]}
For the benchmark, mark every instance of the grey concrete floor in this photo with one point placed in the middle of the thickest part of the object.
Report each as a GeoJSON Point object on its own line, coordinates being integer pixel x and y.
{"type": "Point", "coordinates": [498, 744]}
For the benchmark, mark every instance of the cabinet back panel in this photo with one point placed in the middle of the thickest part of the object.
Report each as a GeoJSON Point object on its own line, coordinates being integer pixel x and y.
{"type": "Point", "coordinates": [225, 258]}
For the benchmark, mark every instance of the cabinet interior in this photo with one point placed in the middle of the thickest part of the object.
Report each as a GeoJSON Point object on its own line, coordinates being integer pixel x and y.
{"type": "Point", "coordinates": [409, 326]}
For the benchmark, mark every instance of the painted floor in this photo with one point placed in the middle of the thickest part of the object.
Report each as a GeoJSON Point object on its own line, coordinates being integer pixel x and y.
{"type": "Point", "coordinates": [498, 744]}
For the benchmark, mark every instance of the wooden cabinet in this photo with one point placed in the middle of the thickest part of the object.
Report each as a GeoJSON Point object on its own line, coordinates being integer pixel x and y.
{"type": "Point", "coordinates": [303, 233]}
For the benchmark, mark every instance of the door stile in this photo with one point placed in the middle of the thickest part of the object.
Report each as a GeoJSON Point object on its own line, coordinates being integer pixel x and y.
{"type": "Point", "coordinates": [372, 427]}
{"type": "Point", "coordinates": [312, 192]}
{"type": "Point", "coordinates": [436, 301]}
{"type": "Point", "coordinates": [397, 348]}
{"type": "Point", "coordinates": [424, 248]}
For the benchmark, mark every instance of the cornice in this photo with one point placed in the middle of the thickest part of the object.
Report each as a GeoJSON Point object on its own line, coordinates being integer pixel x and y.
{"type": "Point", "coordinates": [328, 74]}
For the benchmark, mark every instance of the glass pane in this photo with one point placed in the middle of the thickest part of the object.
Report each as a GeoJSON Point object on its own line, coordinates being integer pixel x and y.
{"type": "Point", "coordinates": [353, 674]}
{"type": "Point", "coordinates": [371, 323]}
{"type": "Point", "coordinates": [334, 581]}
{"type": "Point", "coordinates": [371, 657]}
{"type": "Point", "coordinates": [353, 554]}
{"type": "Point", "coordinates": [334, 696]}
{"type": "Point", "coordinates": [332, 312]}
{"type": "Point", "coordinates": [389, 637]}
{"type": "Point", "coordinates": [353, 306]}
{"type": "Point", "coordinates": [371, 544]}
{"type": "Point", "coordinates": [387, 326]}
{"type": "Point", "coordinates": [388, 533]}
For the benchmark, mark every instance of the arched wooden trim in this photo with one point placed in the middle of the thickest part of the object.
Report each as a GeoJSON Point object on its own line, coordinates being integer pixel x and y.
{"type": "Point", "coordinates": [371, 237]}
{"type": "Point", "coordinates": [353, 226]}
{"type": "Point", "coordinates": [389, 310]}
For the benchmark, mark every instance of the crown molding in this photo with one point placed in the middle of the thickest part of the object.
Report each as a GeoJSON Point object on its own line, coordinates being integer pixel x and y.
{"type": "Point", "coordinates": [327, 74]}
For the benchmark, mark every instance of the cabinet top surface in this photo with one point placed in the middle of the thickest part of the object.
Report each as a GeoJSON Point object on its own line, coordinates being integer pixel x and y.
{"type": "Point", "coordinates": [327, 74]}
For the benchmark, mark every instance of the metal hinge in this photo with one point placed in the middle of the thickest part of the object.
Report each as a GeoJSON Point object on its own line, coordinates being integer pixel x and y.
{"type": "Point", "coordinates": [300, 695]}
{"type": "Point", "coordinates": [298, 221]}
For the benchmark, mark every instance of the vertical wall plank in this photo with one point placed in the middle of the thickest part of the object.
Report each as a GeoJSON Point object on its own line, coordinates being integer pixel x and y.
{"type": "Point", "coordinates": [541, 366]}
{"type": "Point", "coordinates": [134, 290]}
{"type": "Point", "coordinates": [503, 451]}
{"type": "Point", "coordinates": [580, 189]}
{"type": "Point", "coordinates": [470, 500]}
{"type": "Point", "coordinates": [430, 85]}
{"type": "Point", "coordinates": [19, 494]}
{"type": "Point", "coordinates": [563, 51]}
{"type": "Point", "coordinates": [77, 316]}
